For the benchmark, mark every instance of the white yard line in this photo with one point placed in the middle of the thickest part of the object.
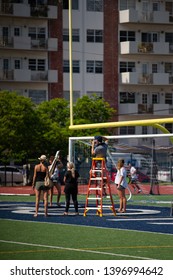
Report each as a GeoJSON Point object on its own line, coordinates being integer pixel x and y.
{"type": "Point", "coordinates": [73, 249]}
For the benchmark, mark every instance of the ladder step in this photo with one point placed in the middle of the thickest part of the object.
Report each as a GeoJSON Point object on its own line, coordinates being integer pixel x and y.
{"type": "Point", "coordinates": [99, 207]}
{"type": "Point", "coordinates": [98, 178]}
{"type": "Point", "coordinates": [88, 208]}
{"type": "Point", "coordinates": [95, 189]}
{"type": "Point", "coordinates": [98, 170]}
{"type": "Point", "coordinates": [94, 198]}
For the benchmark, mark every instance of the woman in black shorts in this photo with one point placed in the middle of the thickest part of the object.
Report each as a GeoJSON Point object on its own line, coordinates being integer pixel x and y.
{"type": "Point", "coordinates": [40, 172]}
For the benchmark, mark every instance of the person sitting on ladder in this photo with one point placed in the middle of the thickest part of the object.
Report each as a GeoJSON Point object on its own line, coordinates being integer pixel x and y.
{"type": "Point", "coordinates": [99, 150]}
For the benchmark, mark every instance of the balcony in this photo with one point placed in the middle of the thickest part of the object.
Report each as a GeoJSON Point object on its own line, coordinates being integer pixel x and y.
{"type": "Point", "coordinates": [145, 109]}
{"type": "Point", "coordinates": [50, 44]}
{"type": "Point", "coordinates": [26, 75]}
{"type": "Point", "coordinates": [154, 79]}
{"type": "Point", "coordinates": [24, 10]}
{"type": "Point", "coordinates": [6, 9]}
{"type": "Point", "coordinates": [6, 75]}
{"type": "Point", "coordinates": [163, 109]}
{"type": "Point", "coordinates": [27, 43]}
{"type": "Point", "coordinates": [128, 108]}
{"type": "Point", "coordinates": [158, 109]}
{"type": "Point", "coordinates": [6, 42]}
{"type": "Point", "coordinates": [145, 79]}
{"type": "Point", "coordinates": [133, 16]}
{"type": "Point", "coordinates": [136, 78]}
{"type": "Point", "coordinates": [145, 48]}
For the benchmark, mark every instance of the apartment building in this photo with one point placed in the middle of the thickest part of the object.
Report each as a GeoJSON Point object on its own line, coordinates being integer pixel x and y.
{"type": "Point", "coordinates": [145, 62]}
{"type": "Point", "coordinates": [122, 51]}
{"type": "Point", "coordinates": [31, 48]}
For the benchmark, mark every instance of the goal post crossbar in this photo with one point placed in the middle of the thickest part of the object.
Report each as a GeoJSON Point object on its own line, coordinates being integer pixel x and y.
{"type": "Point", "coordinates": [145, 122]}
{"type": "Point", "coordinates": [71, 139]}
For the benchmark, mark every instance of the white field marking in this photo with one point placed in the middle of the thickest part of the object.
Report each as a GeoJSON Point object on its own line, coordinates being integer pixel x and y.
{"type": "Point", "coordinates": [155, 201]}
{"type": "Point", "coordinates": [87, 226]}
{"type": "Point", "coordinates": [140, 219]}
{"type": "Point", "coordinates": [139, 212]}
{"type": "Point", "coordinates": [13, 194]}
{"type": "Point", "coordinates": [73, 249]}
{"type": "Point", "coordinates": [161, 223]}
{"type": "Point", "coordinates": [29, 210]}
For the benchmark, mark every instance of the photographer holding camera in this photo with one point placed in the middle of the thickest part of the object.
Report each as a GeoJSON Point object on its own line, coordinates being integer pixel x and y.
{"type": "Point", "coordinates": [99, 150]}
{"type": "Point", "coordinates": [99, 147]}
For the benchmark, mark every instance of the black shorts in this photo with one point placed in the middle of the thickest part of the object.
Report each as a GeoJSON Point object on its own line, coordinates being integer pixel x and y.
{"type": "Point", "coordinates": [120, 187]}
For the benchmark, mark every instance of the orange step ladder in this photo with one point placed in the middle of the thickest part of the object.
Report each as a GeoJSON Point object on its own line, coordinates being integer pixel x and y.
{"type": "Point", "coordinates": [98, 187]}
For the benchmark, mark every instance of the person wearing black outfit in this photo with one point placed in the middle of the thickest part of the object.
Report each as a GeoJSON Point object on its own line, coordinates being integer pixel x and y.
{"type": "Point", "coordinates": [40, 172]}
{"type": "Point", "coordinates": [71, 187]}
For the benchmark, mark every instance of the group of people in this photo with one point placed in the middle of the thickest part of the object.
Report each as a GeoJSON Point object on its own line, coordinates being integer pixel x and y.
{"type": "Point", "coordinates": [99, 148]}
{"type": "Point", "coordinates": [41, 170]}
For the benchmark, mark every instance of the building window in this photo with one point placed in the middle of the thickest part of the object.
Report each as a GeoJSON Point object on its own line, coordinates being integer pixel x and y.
{"type": "Point", "coordinates": [144, 98]}
{"type": "Point", "coordinates": [127, 4]}
{"type": "Point", "coordinates": [127, 66]}
{"type": "Point", "coordinates": [155, 130]}
{"type": "Point", "coordinates": [41, 64]}
{"type": "Point", "coordinates": [169, 98]}
{"type": "Point", "coordinates": [37, 96]}
{"type": "Point", "coordinates": [94, 36]}
{"type": "Point", "coordinates": [169, 68]}
{"type": "Point", "coordinates": [32, 32]}
{"type": "Point", "coordinates": [169, 37]}
{"type": "Point", "coordinates": [75, 4]}
{"type": "Point", "coordinates": [95, 5]}
{"type": "Point", "coordinates": [155, 98]}
{"type": "Point", "coordinates": [156, 6]}
{"type": "Point", "coordinates": [127, 36]}
{"type": "Point", "coordinates": [150, 37]}
{"type": "Point", "coordinates": [36, 2]}
{"type": "Point", "coordinates": [144, 130]}
{"type": "Point", "coordinates": [41, 33]}
{"type": "Point", "coordinates": [75, 35]}
{"type": "Point", "coordinates": [37, 33]}
{"type": "Point", "coordinates": [36, 64]}
{"type": "Point", "coordinates": [169, 126]}
{"type": "Point", "coordinates": [98, 93]}
{"type": "Point", "coordinates": [17, 64]}
{"type": "Point", "coordinates": [169, 8]}
{"type": "Point", "coordinates": [125, 130]}
{"type": "Point", "coordinates": [5, 31]}
{"type": "Point", "coordinates": [127, 97]}
{"type": "Point", "coordinates": [75, 66]}
{"type": "Point", "coordinates": [154, 68]}
{"type": "Point", "coordinates": [76, 95]}
{"type": "Point", "coordinates": [16, 31]}
{"type": "Point", "coordinates": [94, 67]}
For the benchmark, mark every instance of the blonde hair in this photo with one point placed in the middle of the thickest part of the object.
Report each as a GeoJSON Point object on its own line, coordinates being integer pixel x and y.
{"type": "Point", "coordinates": [120, 164]}
{"type": "Point", "coordinates": [71, 167]}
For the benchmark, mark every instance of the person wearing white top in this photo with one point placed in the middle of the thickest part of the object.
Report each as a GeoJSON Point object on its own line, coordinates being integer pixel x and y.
{"type": "Point", "coordinates": [121, 183]}
{"type": "Point", "coordinates": [134, 178]}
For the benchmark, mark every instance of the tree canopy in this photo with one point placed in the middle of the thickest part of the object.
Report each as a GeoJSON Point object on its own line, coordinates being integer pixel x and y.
{"type": "Point", "coordinates": [28, 130]}
{"type": "Point", "coordinates": [19, 126]}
